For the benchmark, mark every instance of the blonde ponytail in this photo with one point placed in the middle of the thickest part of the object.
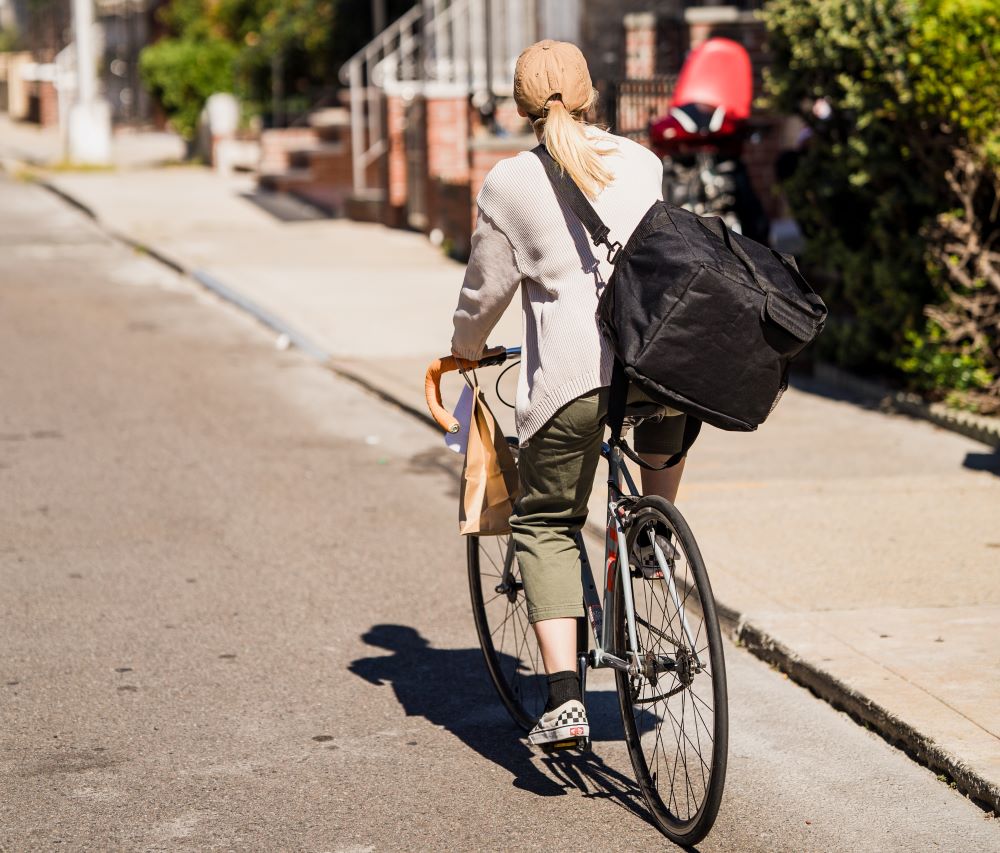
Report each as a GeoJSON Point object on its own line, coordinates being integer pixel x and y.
{"type": "Point", "coordinates": [565, 137]}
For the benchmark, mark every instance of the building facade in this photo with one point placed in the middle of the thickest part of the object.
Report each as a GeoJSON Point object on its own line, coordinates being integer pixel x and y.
{"type": "Point", "coordinates": [428, 108]}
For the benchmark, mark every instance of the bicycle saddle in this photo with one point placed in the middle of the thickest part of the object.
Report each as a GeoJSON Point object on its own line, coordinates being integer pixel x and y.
{"type": "Point", "coordinates": [640, 410]}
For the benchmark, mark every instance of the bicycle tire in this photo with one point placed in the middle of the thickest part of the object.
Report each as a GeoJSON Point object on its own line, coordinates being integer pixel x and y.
{"type": "Point", "coordinates": [510, 650]}
{"type": "Point", "coordinates": [647, 704]}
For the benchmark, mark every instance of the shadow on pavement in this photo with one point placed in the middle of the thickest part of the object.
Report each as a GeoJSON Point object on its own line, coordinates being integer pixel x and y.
{"type": "Point", "coordinates": [439, 460]}
{"type": "Point", "coordinates": [284, 207]}
{"type": "Point", "coordinates": [811, 385]}
{"type": "Point", "coordinates": [450, 688]}
{"type": "Point", "coordinates": [983, 462]}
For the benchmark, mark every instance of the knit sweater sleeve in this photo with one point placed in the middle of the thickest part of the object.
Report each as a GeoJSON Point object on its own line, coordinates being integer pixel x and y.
{"type": "Point", "coordinates": [491, 279]}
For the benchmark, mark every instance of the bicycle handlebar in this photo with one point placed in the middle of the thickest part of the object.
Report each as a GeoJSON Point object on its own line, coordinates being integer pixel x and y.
{"type": "Point", "coordinates": [432, 381]}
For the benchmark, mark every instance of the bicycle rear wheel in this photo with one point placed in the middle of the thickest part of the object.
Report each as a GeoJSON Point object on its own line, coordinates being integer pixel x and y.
{"type": "Point", "coordinates": [675, 710]}
{"type": "Point", "coordinates": [510, 649]}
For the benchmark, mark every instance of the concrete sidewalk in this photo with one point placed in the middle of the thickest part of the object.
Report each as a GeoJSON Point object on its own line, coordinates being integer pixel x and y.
{"type": "Point", "coordinates": [856, 550]}
{"type": "Point", "coordinates": [43, 146]}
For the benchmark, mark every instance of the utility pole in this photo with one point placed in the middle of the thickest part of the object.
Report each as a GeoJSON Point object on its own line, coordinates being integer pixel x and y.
{"type": "Point", "coordinates": [89, 131]}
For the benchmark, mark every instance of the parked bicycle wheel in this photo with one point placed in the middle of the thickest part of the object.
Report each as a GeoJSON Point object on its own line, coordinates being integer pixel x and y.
{"type": "Point", "coordinates": [505, 635]}
{"type": "Point", "coordinates": [675, 712]}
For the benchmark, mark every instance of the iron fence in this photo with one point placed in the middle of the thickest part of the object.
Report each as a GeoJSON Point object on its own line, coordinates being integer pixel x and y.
{"type": "Point", "coordinates": [637, 102]}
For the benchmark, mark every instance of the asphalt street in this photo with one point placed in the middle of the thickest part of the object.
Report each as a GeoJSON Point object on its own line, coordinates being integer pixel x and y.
{"type": "Point", "coordinates": [234, 613]}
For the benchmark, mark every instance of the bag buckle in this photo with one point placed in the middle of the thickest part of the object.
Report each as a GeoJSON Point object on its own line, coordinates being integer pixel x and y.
{"type": "Point", "coordinates": [600, 238]}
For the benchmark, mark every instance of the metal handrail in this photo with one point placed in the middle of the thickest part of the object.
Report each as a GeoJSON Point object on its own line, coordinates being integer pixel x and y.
{"type": "Point", "coordinates": [390, 33]}
{"type": "Point", "coordinates": [440, 43]}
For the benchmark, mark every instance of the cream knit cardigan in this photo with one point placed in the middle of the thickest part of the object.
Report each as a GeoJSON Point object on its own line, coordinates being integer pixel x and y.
{"type": "Point", "coordinates": [526, 238]}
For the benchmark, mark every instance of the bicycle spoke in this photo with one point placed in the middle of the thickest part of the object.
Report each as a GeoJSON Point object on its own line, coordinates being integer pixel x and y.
{"type": "Point", "coordinates": [684, 736]}
{"type": "Point", "coordinates": [660, 627]}
{"type": "Point", "coordinates": [493, 563]}
{"type": "Point", "coordinates": [506, 619]}
{"type": "Point", "coordinates": [493, 598]}
{"type": "Point", "coordinates": [677, 653]}
{"type": "Point", "coordinates": [640, 621]}
{"type": "Point", "coordinates": [508, 641]}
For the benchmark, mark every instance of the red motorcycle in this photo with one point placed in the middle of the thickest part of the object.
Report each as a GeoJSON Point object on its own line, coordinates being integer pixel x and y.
{"type": "Point", "coordinates": [701, 137]}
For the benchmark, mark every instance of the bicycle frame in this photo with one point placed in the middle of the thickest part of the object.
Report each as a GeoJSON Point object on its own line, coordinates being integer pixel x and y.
{"type": "Point", "coordinates": [621, 492]}
{"type": "Point", "coordinates": [645, 636]}
{"type": "Point", "coordinates": [618, 476]}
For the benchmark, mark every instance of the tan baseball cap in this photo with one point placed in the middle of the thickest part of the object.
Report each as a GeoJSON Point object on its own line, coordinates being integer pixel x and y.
{"type": "Point", "coordinates": [549, 68]}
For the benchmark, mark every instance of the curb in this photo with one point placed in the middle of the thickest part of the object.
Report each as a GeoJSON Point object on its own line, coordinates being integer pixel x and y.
{"type": "Point", "coordinates": [977, 427]}
{"type": "Point", "coordinates": [260, 314]}
{"type": "Point", "coordinates": [871, 715]}
{"type": "Point", "coordinates": [758, 642]}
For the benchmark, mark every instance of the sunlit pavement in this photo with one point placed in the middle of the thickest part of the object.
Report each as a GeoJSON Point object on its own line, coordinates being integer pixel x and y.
{"type": "Point", "coordinates": [62, 285]}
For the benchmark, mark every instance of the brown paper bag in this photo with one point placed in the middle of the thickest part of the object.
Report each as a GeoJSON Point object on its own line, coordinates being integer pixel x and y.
{"type": "Point", "coordinates": [489, 476]}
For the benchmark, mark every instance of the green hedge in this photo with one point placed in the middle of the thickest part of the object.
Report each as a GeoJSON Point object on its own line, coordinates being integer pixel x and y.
{"type": "Point", "coordinates": [912, 86]}
{"type": "Point", "coordinates": [181, 73]}
{"type": "Point", "coordinates": [281, 52]}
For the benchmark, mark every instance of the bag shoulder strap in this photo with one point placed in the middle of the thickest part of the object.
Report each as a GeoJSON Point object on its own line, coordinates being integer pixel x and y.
{"type": "Point", "coordinates": [568, 191]}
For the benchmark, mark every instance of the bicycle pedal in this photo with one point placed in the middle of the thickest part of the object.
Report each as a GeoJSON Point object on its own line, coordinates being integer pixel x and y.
{"type": "Point", "coordinates": [581, 744]}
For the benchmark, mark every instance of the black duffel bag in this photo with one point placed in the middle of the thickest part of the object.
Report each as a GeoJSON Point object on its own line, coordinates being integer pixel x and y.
{"type": "Point", "coordinates": [702, 319]}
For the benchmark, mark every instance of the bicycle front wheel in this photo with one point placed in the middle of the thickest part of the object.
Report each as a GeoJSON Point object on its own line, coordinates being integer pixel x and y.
{"type": "Point", "coordinates": [674, 706]}
{"type": "Point", "coordinates": [513, 659]}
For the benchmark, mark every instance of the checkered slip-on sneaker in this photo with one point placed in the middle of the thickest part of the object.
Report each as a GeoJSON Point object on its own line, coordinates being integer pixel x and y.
{"type": "Point", "coordinates": [566, 722]}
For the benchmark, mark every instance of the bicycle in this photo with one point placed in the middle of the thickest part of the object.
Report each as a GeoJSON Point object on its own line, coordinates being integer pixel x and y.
{"type": "Point", "coordinates": [662, 638]}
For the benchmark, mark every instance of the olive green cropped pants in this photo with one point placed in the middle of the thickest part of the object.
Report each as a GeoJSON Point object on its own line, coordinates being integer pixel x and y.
{"type": "Point", "coordinates": [557, 469]}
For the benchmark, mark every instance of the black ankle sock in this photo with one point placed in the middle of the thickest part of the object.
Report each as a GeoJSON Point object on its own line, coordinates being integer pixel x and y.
{"type": "Point", "coordinates": [563, 686]}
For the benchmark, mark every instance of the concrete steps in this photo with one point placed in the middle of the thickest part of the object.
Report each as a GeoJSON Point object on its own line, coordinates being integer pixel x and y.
{"type": "Point", "coordinates": [312, 163]}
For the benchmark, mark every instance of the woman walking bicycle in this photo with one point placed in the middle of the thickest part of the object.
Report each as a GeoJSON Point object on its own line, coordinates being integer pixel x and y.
{"type": "Point", "coordinates": [702, 318]}
{"type": "Point", "coordinates": [533, 592]}
{"type": "Point", "coordinates": [526, 239]}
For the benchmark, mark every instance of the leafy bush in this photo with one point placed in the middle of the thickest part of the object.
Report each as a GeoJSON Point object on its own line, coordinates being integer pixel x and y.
{"type": "Point", "coordinates": [282, 54]}
{"type": "Point", "coordinates": [182, 72]}
{"type": "Point", "coordinates": [962, 333]}
{"type": "Point", "coordinates": [911, 84]}
{"type": "Point", "coordinates": [933, 365]}
{"type": "Point", "coordinates": [859, 191]}
{"type": "Point", "coordinates": [958, 349]}
{"type": "Point", "coordinates": [954, 60]}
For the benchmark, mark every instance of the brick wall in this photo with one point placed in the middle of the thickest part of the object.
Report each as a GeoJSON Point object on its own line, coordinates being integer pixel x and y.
{"type": "Point", "coordinates": [507, 118]}
{"type": "Point", "coordinates": [640, 46]}
{"type": "Point", "coordinates": [447, 196]}
{"type": "Point", "coordinates": [603, 40]}
{"type": "Point", "coordinates": [655, 44]}
{"type": "Point", "coordinates": [450, 205]}
{"type": "Point", "coordinates": [43, 104]}
{"type": "Point", "coordinates": [277, 143]}
{"type": "Point", "coordinates": [448, 138]}
{"type": "Point", "coordinates": [395, 123]}
{"type": "Point", "coordinates": [332, 168]}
